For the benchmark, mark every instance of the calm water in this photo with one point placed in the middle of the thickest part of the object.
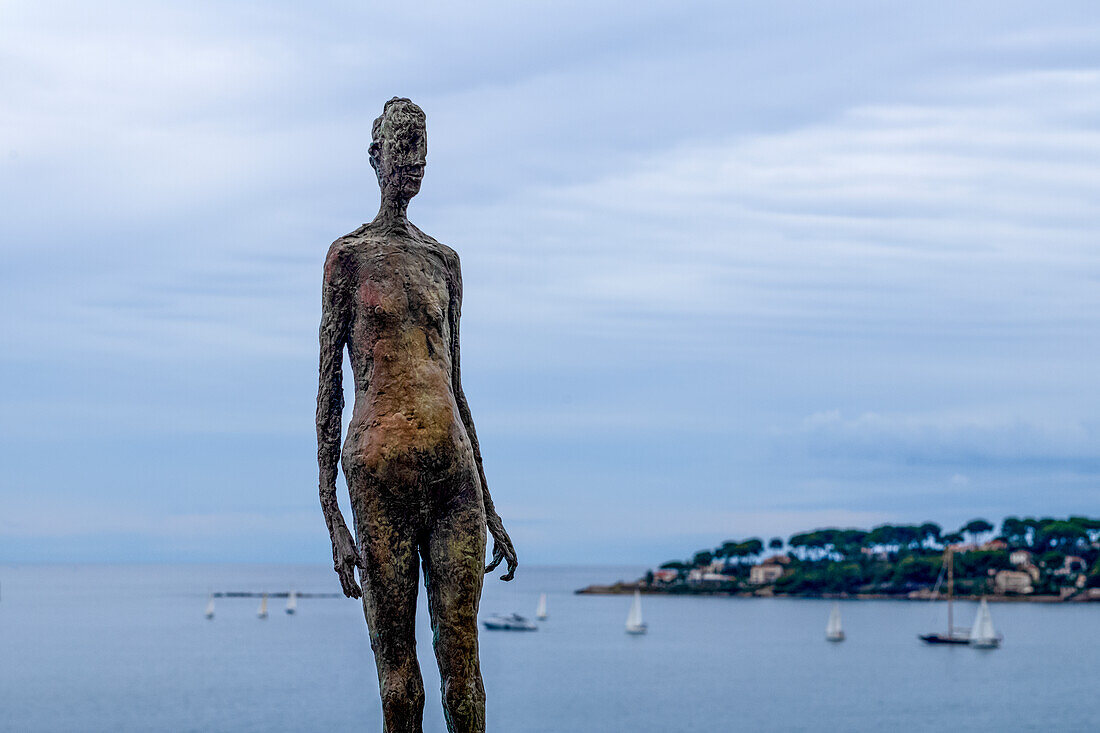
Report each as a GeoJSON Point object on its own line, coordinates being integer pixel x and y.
{"type": "Point", "coordinates": [99, 648]}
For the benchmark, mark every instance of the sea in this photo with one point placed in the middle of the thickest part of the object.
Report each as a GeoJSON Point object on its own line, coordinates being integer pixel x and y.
{"type": "Point", "coordinates": [128, 648]}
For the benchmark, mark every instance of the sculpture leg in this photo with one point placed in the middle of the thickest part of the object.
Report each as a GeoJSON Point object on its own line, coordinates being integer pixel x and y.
{"type": "Point", "coordinates": [388, 547]}
{"type": "Point", "coordinates": [454, 566]}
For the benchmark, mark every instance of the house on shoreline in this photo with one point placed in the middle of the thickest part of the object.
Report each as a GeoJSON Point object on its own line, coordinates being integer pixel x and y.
{"type": "Point", "coordinates": [1015, 581]}
{"type": "Point", "coordinates": [769, 570]}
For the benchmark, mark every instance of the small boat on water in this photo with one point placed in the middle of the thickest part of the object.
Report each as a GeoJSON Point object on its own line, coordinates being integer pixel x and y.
{"type": "Point", "coordinates": [634, 623]}
{"type": "Point", "coordinates": [292, 603]}
{"type": "Point", "coordinates": [210, 607]}
{"type": "Point", "coordinates": [508, 622]}
{"type": "Point", "coordinates": [540, 613]}
{"type": "Point", "coordinates": [953, 635]}
{"type": "Point", "coordinates": [982, 633]}
{"type": "Point", "coordinates": [833, 630]}
{"type": "Point", "coordinates": [262, 611]}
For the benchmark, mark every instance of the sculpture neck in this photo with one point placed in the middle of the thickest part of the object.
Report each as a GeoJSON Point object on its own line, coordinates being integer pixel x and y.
{"type": "Point", "coordinates": [392, 214]}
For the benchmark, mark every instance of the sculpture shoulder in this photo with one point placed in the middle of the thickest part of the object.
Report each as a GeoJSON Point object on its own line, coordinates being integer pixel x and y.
{"type": "Point", "coordinates": [346, 250]}
{"type": "Point", "coordinates": [448, 255]}
{"type": "Point", "coordinates": [339, 250]}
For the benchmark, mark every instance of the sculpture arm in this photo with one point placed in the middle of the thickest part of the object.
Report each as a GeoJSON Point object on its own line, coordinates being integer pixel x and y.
{"type": "Point", "coordinates": [333, 337]}
{"type": "Point", "coordinates": [502, 543]}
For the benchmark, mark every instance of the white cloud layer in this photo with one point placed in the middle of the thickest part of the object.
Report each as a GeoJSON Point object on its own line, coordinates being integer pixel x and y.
{"type": "Point", "coordinates": [684, 229]}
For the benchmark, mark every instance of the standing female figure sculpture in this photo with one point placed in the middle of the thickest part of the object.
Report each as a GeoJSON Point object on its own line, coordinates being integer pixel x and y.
{"type": "Point", "coordinates": [392, 296]}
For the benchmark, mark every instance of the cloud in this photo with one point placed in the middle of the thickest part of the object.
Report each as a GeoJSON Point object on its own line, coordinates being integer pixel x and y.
{"type": "Point", "coordinates": [949, 437]}
{"type": "Point", "coordinates": [683, 230]}
{"type": "Point", "coordinates": [886, 215]}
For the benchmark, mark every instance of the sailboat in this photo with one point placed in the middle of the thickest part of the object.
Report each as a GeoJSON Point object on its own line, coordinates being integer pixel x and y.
{"type": "Point", "coordinates": [540, 612]}
{"type": "Point", "coordinates": [833, 630]}
{"type": "Point", "coordinates": [210, 607]}
{"type": "Point", "coordinates": [953, 635]}
{"type": "Point", "coordinates": [634, 623]}
{"type": "Point", "coordinates": [262, 612]}
{"type": "Point", "coordinates": [982, 633]}
{"type": "Point", "coordinates": [292, 602]}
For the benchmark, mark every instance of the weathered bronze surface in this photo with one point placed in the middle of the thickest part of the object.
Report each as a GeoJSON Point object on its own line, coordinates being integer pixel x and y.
{"type": "Point", "coordinates": [392, 295]}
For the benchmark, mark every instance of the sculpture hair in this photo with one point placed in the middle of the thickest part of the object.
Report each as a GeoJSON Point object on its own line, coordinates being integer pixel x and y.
{"type": "Point", "coordinates": [400, 128]}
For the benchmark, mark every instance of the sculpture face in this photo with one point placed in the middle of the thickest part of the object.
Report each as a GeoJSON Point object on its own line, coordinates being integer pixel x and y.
{"type": "Point", "coordinates": [399, 150]}
{"type": "Point", "coordinates": [403, 168]}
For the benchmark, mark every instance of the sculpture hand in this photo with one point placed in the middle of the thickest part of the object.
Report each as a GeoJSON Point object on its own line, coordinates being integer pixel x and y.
{"type": "Point", "coordinates": [502, 548]}
{"type": "Point", "coordinates": [345, 558]}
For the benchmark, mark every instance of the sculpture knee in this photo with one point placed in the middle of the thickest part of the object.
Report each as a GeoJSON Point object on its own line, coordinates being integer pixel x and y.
{"type": "Point", "coordinates": [402, 684]}
{"type": "Point", "coordinates": [402, 692]}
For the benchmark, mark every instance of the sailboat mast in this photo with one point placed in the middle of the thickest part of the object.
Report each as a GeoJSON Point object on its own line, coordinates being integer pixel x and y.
{"type": "Point", "coordinates": [950, 591]}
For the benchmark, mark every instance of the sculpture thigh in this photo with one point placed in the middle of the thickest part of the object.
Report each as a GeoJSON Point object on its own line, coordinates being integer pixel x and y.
{"type": "Point", "coordinates": [407, 507]}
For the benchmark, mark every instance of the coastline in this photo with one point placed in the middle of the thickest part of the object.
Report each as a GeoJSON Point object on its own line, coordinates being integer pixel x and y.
{"type": "Point", "coordinates": [618, 589]}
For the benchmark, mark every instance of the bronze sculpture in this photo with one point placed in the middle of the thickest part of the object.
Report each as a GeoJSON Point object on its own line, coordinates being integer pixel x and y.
{"type": "Point", "coordinates": [392, 296]}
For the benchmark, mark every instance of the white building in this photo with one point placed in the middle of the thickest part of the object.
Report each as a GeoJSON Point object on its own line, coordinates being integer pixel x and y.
{"type": "Point", "coordinates": [1020, 557]}
{"type": "Point", "coordinates": [1013, 581]}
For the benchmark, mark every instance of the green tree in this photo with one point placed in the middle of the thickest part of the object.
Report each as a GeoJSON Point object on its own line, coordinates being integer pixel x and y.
{"type": "Point", "coordinates": [775, 543]}
{"type": "Point", "coordinates": [752, 547]}
{"type": "Point", "coordinates": [918, 570]}
{"type": "Point", "coordinates": [908, 537]}
{"type": "Point", "coordinates": [849, 542]}
{"type": "Point", "coordinates": [884, 537]}
{"type": "Point", "coordinates": [976, 565]}
{"type": "Point", "coordinates": [843, 577]}
{"type": "Point", "coordinates": [1052, 559]}
{"type": "Point", "coordinates": [1061, 535]}
{"type": "Point", "coordinates": [1094, 575]}
{"type": "Point", "coordinates": [797, 543]}
{"type": "Point", "coordinates": [1014, 530]}
{"type": "Point", "coordinates": [1091, 526]}
{"type": "Point", "coordinates": [703, 557]}
{"type": "Point", "coordinates": [930, 534]}
{"type": "Point", "coordinates": [726, 551]}
{"type": "Point", "coordinates": [975, 528]}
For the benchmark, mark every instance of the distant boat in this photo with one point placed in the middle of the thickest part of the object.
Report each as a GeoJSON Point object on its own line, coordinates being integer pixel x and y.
{"type": "Point", "coordinates": [292, 603]}
{"type": "Point", "coordinates": [262, 612]}
{"type": "Point", "coordinates": [509, 622]}
{"type": "Point", "coordinates": [833, 630]}
{"type": "Point", "coordinates": [540, 613]}
{"type": "Point", "coordinates": [210, 607]}
{"type": "Point", "coordinates": [953, 635]}
{"type": "Point", "coordinates": [982, 633]}
{"type": "Point", "coordinates": [634, 623]}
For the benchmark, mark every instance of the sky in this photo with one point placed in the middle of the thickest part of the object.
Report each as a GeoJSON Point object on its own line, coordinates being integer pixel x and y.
{"type": "Point", "coordinates": [731, 269]}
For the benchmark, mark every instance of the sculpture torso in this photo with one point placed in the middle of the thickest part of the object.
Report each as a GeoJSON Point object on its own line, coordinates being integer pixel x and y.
{"type": "Point", "coordinates": [402, 309]}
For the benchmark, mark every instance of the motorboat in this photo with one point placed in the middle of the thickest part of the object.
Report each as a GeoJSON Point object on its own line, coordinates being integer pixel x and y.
{"type": "Point", "coordinates": [508, 622]}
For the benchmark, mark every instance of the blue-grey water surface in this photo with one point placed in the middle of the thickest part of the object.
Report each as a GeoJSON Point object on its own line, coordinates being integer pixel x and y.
{"type": "Point", "coordinates": [126, 648]}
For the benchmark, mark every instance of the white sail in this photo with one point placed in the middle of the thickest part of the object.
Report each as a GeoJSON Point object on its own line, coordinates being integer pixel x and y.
{"type": "Point", "coordinates": [210, 607]}
{"type": "Point", "coordinates": [982, 632]}
{"type": "Point", "coordinates": [634, 623]}
{"type": "Point", "coordinates": [540, 613]}
{"type": "Point", "coordinates": [292, 602]}
{"type": "Point", "coordinates": [262, 612]}
{"type": "Point", "coordinates": [833, 630]}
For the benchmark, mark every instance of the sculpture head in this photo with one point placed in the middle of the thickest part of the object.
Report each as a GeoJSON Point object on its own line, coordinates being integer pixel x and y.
{"type": "Point", "coordinates": [399, 149]}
